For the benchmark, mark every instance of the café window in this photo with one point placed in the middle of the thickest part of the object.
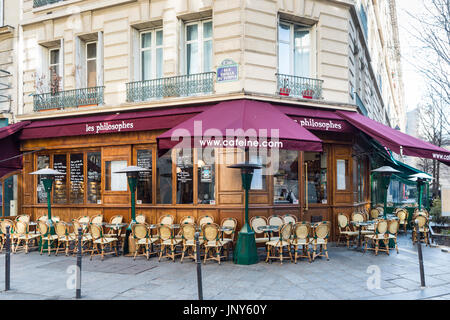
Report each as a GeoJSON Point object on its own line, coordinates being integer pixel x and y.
{"type": "Point", "coordinates": [259, 177]}
{"type": "Point", "coordinates": [206, 176]}
{"type": "Point", "coordinates": [76, 178]}
{"type": "Point", "coordinates": [115, 181]}
{"type": "Point", "coordinates": [60, 183]}
{"type": "Point", "coordinates": [144, 182]}
{"type": "Point", "coordinates": [342, 174]}
{"type": "Point", "coordinates": [43, 161]}
{"type": "Point", "coordinates": [316, 177]}
{"type": "Point", "coordinates": [164, 179]}
{"type": "Point", "coordinates": [94, 177]}
{"type": "Point", "coordinates": [185, 181]}
{"type": "Point", "coordinates": [359, 179]}
{"type": "Point", "coordinates": [285, 181]}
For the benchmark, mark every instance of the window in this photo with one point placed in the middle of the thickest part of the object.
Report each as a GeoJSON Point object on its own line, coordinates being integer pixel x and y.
{"type": "Point", "coordinates": [164, 179]}
{"type": "Point", "coordinates": [285, 181]}
{"type": "Point", "coordinates": [2, 22]}
{"type": "Point", "coordinates": [151, 53]}
{"type": "Point", "coordinates": [91, 64]}
{"type": "Point", "coordinates": [144, 183]}
{"type": "Point", "coordinates": [259, 179]}
{"type": "Point", "coordinates": [59, 187]}
{"type": "Point", "coordinates": [94, 177]}
{"type": "Point", "coordinates": [316, 173]}
{"type": "Point", "coordinates": [43, 161]}
{"type": "Point", "coordinates": [185, 182]}
{"type": "Point", "coordinates": [342, 173]}
{"type": "Point", "coordinates": [198, 47]}
{"type": "Point", "coordinates": [294, 49]}
{"type": "Point", "coordinates": [206, 176]}
{"type": "Point", "coordinates": [115, 181]}
{"type": "Point", "coordinates": [77, 178]}
{"type": "Point", "coordinates": [54, 63]}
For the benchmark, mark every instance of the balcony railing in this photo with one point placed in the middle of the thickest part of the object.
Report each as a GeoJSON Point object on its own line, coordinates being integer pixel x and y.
{"type": "Point", "coordinates": [41, 3]}
{"type": "Point", "coordinates": [68, 98]}
{"type": "Point", "coordinates": [300, 87]}
{"type": "Point", "coordinates": [179, 86]}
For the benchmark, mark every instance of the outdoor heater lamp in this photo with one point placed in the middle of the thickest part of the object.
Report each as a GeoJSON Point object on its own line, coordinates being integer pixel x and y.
{"type": "Point", "coordinates": [386, 172]}
{"type": "Point", "coordinates": [420, 178]}
{"type": "Point", "coordinates": [246, 252]}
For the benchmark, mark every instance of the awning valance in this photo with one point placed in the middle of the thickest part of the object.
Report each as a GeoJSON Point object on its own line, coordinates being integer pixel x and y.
{"type": "Point", "coordinates": [10, 155]}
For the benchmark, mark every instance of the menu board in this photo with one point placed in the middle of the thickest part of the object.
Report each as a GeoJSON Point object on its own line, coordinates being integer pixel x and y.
{"type": "Point", "coordinates": [43, 162]}
{"type": "Point", "coordinates": [94, 177]}
{"type": "Point", "coordinates": [144, 183]}
{"type": "Point", "coordinates": [76, 178]}
{"type": "Point", "coordinates": [184, 179]}
{"type": "Point", "coordinates": [59, 191]}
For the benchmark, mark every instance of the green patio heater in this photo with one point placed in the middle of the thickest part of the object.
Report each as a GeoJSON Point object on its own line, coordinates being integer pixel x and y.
{"type": "Point", "coordinates": [421, 178]}
{"type": "Point", "coordinates": [385, 172]}
{"type": "Point", "coordinates": [245, 252]}
{"type": "Point", "coordinates": [132, 176]}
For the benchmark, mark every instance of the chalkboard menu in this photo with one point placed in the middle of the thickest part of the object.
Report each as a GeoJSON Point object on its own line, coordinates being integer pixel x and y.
{"type": "Point", "coordinates": [76, 178]}
{"type": "Point", "coordinates": [144, 184]}
{"type": "Point", "coordinates": [185, 184]}
{"type": "Point", "coordinates": [94, 177]}
{"type": "Point", "coordinates": [43, 162]}
{"type": "Point", "coordinates": [59, 190]}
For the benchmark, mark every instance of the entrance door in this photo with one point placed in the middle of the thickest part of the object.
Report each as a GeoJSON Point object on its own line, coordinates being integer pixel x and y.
{"type": "Point", "coordinates": [316, 199]}
{"type": "Point", "coordinates": [10, 194]}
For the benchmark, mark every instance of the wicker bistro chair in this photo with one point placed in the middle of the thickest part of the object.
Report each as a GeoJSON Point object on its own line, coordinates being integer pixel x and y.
{"type": "Point", "coordinates": [187, 219]}
{"type": "Point", "coordinates": [168, 242]}
{"type": "Point", "coordinates": [212, 242]}
{"type": "Point", "coordinates": [45, 236]}
{"type": "Point", "coordinates": [141, 218]}
{"type": "Point", "coordinates": [23, 218]}
{"type": "Point", "coordinates": [99, 239]}
{"type": "Point", "coordinates": [402, 215]}
{"type": "Point", "coordinates": [255, 222]}
{"type": "Point", "coordinates": [276, 220]}
{"type": "Point", "coordinates": [422, 228]}
{"type": "Point", "coordinates": [188, 230]}
{"type": "Point", "coordinates": [64, 237]}
{"type": "Point", "coordinates": [3, 224]}
{"type": "Point", "coordinates": [43, 218]}
{"type": "Point", "coordinates": [204, 220]}
{"type": "Point", "coordinates": [301, 239]}
{"type": "Point", "coordinates": [142, 238]}
{"type": "Point", "coordinates": [289, 218]}
{"type": "Point", "coordinates": [393, 226]}
{"type": "Point", "coordinates": [115, 231]}
{"type": "Point", "coordinates": [381, 234]}
{"type": "Point", "coordinates": [280, 244]}
{"type": "Point", "coordinates": [320, 237]}
{"type": "Point", "coordinates": [97, 219]}
{"type": "Point", "coordinates": [228, 235]}
{"type": "Point", "coordinates": [22, 235]}
{"type": "Point", "coordinates": [344, 230]}
{"type": "Point", "coordinates": [86, 238]}
{"type": "Point", "coordinates": [166, 219]}
{"type": "Point", "coordinates": [357, 216]}
{"type": "Point", "coordinates": [374, 213]}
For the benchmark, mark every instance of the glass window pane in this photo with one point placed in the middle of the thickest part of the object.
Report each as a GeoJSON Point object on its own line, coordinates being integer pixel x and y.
{"type": "Point", "coordinates": [284, 33]}
{"type": "Point", "coordinates": [43, 161]}
{"type": "Point", "coordinates": [77, 178]}
{"type": "Point", "coordinates": [144, 183]}
{"type": "Point", "coordinates": [54, 56]}
{"type": "Point", "coordinates": [146, 65]}
{"type": "Point", "coordinates": [185, 181]}
{"type": "Point", "coordinates": [206, 176]}
{"type": "Point", "coordinates": [94, 177]}
{"type": "Point", "coordinates": [283, 58]}
{"type": "Point", "coordinates": [207, 30]}
{"type": "Point", "coordinates": [59, 185]}
{"type": "Point", "coordinates": [146, 40]}
{"type": "Point", "coordinates": [285, 182]}
{"type": "Point", "coordinates": [301, 53]}
{"type": "Point", "coordinates": [115, 181]}
{"type": "Point", "coordinates": [192, 58]}
{"type": "Point", "coordinates": [207, 56]}
{"type": "Point", "coordinates": [192, 32]}
{"type": "Point", "coordinates": [92, 73]}
{"type": "Point", "coordinates": [91, 50]}
{"type": "Point", "coordinates": [258, 180]}
{"type": "Point", "coordinates": [164, 179]}
{"type": "Point", "coordinates": [159, 63]}
{"type": "Point", "coordinates": [159, 38]}
{"type": "Point", "coordinates": [342, 179]}
{"type": "Point", "coordinates": [317, 176]}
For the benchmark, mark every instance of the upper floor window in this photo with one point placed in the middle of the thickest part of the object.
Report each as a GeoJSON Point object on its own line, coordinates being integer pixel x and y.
{"type": "Point", "coordinates": [91, 64]}
{"type": "Point", "coordinates": [89, 60]}
{"type": "Point", "coordinates": [2, 20]}
{"type": "Point", "coordinates": [294, 49]}
{"type": "Point", "coordinates": [198, 47]}
{"type": "Point", "coordinates": [151, 53]}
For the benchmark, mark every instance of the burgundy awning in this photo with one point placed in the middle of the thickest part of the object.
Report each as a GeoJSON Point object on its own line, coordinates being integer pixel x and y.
{"type": "Point", "coordinates": [396, 140]}
{"type": "Point", "coordinates": [10, 155]}
{"type": "Point", "coordinates": [247, 120]}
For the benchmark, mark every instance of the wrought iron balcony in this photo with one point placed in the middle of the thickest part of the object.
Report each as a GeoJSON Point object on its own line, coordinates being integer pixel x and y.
{"type": "Point", "coordinates": [301, 87]}
{"type": "Point", "coordinates": [68, 98]}
{"type": "Point", "coordinates": [41, 3]}
{"type": "Point", "coordinates": [179, 86]}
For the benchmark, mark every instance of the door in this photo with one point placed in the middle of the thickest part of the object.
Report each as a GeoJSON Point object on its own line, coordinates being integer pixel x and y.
{"type": "Point", "coordinates": [10, 185]}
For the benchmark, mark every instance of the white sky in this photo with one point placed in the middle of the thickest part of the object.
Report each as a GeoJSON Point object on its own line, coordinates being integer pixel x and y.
{"type": "Point", "coordinates": [412, 79]}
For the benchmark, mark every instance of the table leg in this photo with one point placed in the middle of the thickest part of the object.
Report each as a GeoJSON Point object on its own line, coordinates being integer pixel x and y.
{"type": "Point", "coordinates": [359, 245]}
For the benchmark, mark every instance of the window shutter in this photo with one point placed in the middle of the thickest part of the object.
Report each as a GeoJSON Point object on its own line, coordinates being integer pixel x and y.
{"type": "Point", "coordinates": [42, 80]}
{"type": "Point", "coordinates": [182, 54]}
{"type": "Point", "coordinates": [78, 63]}
{"type": "Point", "coordinates": [61, 65]}
{"type": "Point", "coordinates": [100, 59]}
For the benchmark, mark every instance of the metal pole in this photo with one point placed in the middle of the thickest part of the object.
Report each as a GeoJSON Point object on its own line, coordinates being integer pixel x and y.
{"type": "Point", "coordinates": [419, 251]}
{"type": "Point", "coordinates": [199, 266]}
{"type": "Point", "coordinates": [78, 286]}
{"type": "Point", "coordinates": [7, 258]}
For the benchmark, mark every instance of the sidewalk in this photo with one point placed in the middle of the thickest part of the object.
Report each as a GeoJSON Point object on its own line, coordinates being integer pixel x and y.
{"type": "Point", "coordinates": [349, 274]}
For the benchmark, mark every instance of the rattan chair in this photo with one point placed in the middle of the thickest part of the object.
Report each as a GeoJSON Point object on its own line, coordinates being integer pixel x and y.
{"type": "Point", "coordinates": [140, 232]}
{"type": "Point", "coordinates": [97, 219]}
{"type": "Point", "coordinates": [168, 242]}
{"type": "Point", "coordinates": [42, 218]}
{"type": "Point", "coordinates": [187, 219]}
{"type": "Point", "coordinates": [320, 238]}
{"type": "Point", "coordinates": [23, 236]}
{"type": "Point", "coordinates": [275, 220]}
{"type": "Point", "coordinates": [289, 218]}
{"type": "Point", "coordinates": [86, 238]}
{"type": "Point", "coordinates": [115, 231]}
{"type": "Point", "coordinates": [102, 241]}
{"type": "Point", "coordinates": [64, 237]}
{"type": "Point", "coordinates": [228, 235]}
{"type": "Point", "coordinates": [301, 234]}
{"type": "Point", "coordinates": [3, 224]}
{"type": "Point", "coordinates": [276, 247]}
{"type": "Point", "coordinates": [393, 226]}
{"type": "Point", "coordinates": [359, 217]}
{"type": "Point", "coordinates": [374, 213]}
{"type": "Point", "coordinates": [205, 219]}
{"type": "Point", "coordinates": [141, 218]}
{"type": "Point", "coordinates": [211, 242]}
{"type": "Point", "coordinates": [381, 235]}
{"type": "Point", "coordinates": [188, 231]}
{"type": "Point", "coordinates": [422, 228]}
{"type": "Point", "coordinates": [166, 219]}
{"type": "Point", "coordinates": [23, 218]}
{"type": "Point", "coordinates": [45, 236]}
{"type": "Point", "coordinates": [56, 219]}
{"type": "Point", "coordinates": [345, 230]}
{"type": "Point", "coordinates": [255, 222]}
{"type": "Point", "coordinates": [402, 215]}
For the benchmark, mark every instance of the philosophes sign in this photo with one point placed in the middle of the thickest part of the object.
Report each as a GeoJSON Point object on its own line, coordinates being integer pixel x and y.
{"type": "Point", "coordinates": [323, 124]}
{"type": "Point", "coordinates": [227, 71]}
{"type": "Point", "coordinates": [109, 127]}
